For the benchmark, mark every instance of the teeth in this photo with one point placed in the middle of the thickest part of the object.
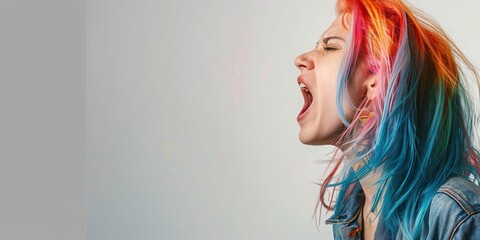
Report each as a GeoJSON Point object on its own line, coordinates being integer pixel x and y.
{"type": "Point", "coordinates": [303, 87]}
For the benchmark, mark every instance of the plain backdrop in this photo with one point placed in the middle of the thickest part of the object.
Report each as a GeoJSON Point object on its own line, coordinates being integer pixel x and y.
{"type": "Point", "coordinates": [156, 119]}
{"type": "Point", "coordinates": [42, 119]}
{"type": "Point", "coordinates": [191, 116]}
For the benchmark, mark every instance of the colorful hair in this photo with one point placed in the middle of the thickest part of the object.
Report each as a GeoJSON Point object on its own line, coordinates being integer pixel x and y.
{"type": "Point", "coordinates": [421, 132]}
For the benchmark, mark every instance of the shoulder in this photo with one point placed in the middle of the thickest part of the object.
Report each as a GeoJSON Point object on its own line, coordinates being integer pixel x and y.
{"type": "Point", "coordinates": [461, 193]}
{"type": "Point", "coordinates": [455, 210]}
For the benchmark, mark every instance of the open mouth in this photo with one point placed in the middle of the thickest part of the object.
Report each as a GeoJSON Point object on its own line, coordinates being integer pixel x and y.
{"type": "Point", "coordinates": [307, 96]}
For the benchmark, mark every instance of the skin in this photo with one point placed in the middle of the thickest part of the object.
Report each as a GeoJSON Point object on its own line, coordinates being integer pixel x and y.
{"type": "Point", "coordinates": [322, 125]}
{"type": "Point", "coordinates": [319, 69]}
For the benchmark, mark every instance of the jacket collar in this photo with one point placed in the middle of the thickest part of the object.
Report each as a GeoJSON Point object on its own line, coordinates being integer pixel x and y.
{"type": "Point", "coordinates": [349, 212]}
{"type": "Point", "coordinates": [351, 209]}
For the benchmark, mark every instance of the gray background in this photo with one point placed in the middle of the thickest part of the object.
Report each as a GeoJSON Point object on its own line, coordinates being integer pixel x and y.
{"type": "Point", "coordinates": [164, 119]}
{"type": "Point", "coordinates": [42, 119]}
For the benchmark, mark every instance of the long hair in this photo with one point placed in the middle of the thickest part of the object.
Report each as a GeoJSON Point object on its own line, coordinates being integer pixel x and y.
{"type": "Point", "coordinates": [422, 129]}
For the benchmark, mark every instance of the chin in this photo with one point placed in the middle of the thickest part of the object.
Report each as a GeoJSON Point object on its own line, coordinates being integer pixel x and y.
{"type": "Point", "coordinates": [315, 140]}
{"type": "Point", "coordinates": [331, 138]}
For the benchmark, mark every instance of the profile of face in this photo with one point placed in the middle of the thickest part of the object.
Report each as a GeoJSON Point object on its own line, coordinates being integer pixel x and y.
{"type": "Point", "coordinates": [319, 120]}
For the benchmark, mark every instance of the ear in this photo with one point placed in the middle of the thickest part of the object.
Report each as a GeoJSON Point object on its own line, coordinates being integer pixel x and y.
{"type": "Point", "coordinates": [370, 84]}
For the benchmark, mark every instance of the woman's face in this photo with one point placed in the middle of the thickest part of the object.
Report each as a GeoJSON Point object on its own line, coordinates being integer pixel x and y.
{"type": "Point", "coordinates": [320, 123]}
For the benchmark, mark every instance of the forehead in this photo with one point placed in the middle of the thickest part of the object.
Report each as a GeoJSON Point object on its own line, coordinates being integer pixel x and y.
{"type": "Point", "coordinates": [338, 27]}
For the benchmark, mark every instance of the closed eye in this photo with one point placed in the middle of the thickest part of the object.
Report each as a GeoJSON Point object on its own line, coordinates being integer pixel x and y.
{"type": "Point", "coordinates": [328, 49]}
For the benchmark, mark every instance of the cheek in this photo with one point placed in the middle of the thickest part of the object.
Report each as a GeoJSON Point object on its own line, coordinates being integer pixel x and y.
{"type": "Point", "coordinates": [328, 87]}
{"type": "Point", "coordinates": [329, 93]}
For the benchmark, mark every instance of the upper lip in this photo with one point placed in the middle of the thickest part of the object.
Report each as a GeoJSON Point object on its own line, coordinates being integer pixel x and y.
{"type": "Point", "coordinates": [300, 79]}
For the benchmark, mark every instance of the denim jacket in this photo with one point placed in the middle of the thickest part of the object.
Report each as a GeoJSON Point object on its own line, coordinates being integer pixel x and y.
{"type": "Point", "coordinates": [454, 214]}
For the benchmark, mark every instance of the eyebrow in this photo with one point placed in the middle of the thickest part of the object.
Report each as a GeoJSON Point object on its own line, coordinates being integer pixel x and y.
{"type": "Point", "coordinates": [325, 40]}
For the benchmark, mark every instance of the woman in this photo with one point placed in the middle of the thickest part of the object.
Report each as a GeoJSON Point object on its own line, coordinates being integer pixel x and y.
{"type": "Point", "coordinates": [384, 85]}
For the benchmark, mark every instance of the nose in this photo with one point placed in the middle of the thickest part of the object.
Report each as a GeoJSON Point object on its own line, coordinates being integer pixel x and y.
{"type": "Point", "coordinates": [304, 61]}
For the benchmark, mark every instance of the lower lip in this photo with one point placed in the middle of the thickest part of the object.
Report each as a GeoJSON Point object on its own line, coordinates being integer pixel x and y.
{"type": "Point", "coordinates": [304, 114]}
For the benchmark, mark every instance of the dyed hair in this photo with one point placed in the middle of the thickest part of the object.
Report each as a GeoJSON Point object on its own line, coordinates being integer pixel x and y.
{"type": "Point", "coordinates": [421, 132]}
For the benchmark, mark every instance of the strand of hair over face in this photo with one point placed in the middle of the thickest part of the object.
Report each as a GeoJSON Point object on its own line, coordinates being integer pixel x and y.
{"type": "Point", "coordinates": [424, 119]}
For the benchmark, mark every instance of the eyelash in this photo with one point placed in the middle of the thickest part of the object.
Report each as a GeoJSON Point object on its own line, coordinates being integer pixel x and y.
{"type": "Point", "coordinates": [328, 49]}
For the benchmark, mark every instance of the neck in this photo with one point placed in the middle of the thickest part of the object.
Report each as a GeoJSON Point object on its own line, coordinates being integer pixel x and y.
{"type": "Point", "coordinates": [367, 184]}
